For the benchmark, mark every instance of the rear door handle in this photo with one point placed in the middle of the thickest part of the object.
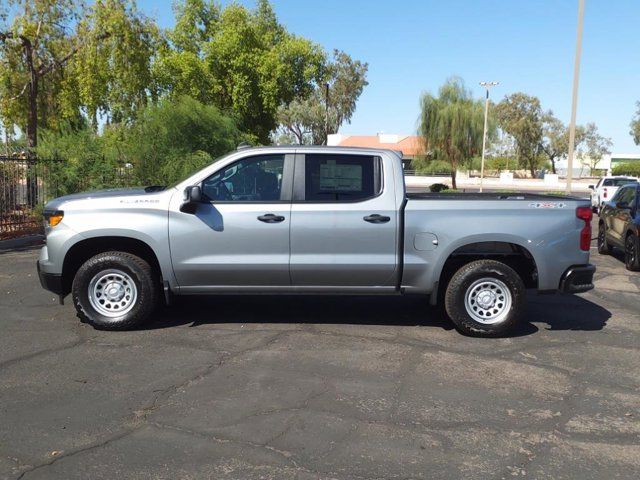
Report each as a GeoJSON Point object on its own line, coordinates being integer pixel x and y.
{"type": "Point", "coordinates": [271, 218]}
{"type": "Point", "coordinates": [375, 218]}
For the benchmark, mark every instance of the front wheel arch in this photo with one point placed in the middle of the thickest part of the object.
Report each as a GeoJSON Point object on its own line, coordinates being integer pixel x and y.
{"type": "Point", "coordinates": [85, 249]}
{"type": "Point", "coordinates": [115, 290]}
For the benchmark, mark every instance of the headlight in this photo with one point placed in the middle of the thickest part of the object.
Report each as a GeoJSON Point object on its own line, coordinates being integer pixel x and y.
{"type": "Point", "coordinates": [53, 218]}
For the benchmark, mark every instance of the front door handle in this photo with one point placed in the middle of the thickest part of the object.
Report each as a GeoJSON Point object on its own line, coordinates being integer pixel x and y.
{"type": "Point", "coordinates": [375, 218]}
{"type": "Point", "coordinates": [271, 218]}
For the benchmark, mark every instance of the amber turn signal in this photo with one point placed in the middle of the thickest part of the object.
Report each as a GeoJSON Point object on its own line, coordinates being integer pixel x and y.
{"type": "Point", "coordinates": [55, 218]}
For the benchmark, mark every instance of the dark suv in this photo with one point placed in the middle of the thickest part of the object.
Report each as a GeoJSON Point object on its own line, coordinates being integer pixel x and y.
{"type": "Point", "coordinates": [619, 225]}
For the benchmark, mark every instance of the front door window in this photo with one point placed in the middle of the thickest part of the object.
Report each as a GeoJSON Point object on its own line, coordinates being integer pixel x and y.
{"type": "Point", "coordinates": [253, 179]}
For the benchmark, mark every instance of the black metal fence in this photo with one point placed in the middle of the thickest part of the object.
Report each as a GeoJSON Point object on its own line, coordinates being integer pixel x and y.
{"type": "Point", "coordinates": [26, 184]}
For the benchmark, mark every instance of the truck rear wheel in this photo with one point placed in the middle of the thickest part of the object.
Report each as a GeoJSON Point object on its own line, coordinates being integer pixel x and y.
{"type": "Point", "coordinates": [485, 298]}
{"type": "Point", "coordinates": [114, 291]}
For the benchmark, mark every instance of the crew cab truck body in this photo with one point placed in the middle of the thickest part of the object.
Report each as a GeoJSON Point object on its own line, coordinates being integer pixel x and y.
{"type": "Point", "coordinates": [606, 189]}
{"type": "Point", "coordinates": [312, 220]}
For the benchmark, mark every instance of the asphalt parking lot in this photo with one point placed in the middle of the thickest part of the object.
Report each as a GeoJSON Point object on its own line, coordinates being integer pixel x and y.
{"type": "Point", "coordinates": [310, 388]}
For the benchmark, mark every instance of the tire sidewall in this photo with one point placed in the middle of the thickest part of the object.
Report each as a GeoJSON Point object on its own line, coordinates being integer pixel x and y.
{"type": "Point", "coordinates": [603, 245]}
{"type": "Point", "coordinates": [458, 288]}
{"type": "Point", "coordinates": [103, 262]}
{"type": "Point", "coordinates": [632, 265]}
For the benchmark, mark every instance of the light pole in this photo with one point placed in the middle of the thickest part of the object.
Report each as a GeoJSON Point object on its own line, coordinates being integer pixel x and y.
{"type": "Point", "coordinates": [574, 100]}
{"type": "Point", "coordinates": [487, 86]}
{"type": "Point", "coordinates": [326, 112]}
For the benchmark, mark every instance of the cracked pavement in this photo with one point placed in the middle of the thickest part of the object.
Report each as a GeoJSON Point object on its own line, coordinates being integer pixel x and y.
{"type": "Point", "coordinates": [316, 388]}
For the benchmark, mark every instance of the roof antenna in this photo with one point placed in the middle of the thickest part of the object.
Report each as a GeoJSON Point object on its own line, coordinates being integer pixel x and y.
{"type": "Point", "coordinates": [243, 146]}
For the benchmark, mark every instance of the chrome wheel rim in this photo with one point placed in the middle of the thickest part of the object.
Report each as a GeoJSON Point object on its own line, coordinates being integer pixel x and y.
{"type": "Point", "coordinates": [488, 301]}
{"type": "Point", "coordinates": [112, 293]}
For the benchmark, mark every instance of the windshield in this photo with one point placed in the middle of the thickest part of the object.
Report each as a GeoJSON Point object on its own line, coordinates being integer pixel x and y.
{"type": "Point", "coordinates": [175, 184]}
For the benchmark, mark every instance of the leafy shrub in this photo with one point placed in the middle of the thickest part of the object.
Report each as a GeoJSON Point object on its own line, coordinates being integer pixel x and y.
{"type": "Point", "coordinates": [166, 143]}
{"type": "Point", "coordinates": [432, 167]}
{"type": "Point", "coordinates": [438, 187]}
{"type": "Point", "coordinates": [175, 138]}
{"type": "Point", "coordinates": [500, 163]}
{"type": "Point", "coordinates": [629, 168]}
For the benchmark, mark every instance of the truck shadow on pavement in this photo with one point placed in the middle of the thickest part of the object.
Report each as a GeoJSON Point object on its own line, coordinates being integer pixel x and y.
{"type": "Point", "coordinates": [549, 312]}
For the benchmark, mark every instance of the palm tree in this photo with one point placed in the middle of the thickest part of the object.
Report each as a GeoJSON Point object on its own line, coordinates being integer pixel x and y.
{"type": "Point", "coordinates": [452, 124]}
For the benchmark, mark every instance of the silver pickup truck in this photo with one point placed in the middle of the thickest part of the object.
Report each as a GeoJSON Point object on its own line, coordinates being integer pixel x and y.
{"type": "Point", "coordinates": [312, 220]}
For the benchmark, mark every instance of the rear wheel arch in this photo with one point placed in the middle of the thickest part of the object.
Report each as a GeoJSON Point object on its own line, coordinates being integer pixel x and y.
{"type": "Point", "coordinates": [83, 250]}
{"type": "Point", "coordinates": [514, 255]}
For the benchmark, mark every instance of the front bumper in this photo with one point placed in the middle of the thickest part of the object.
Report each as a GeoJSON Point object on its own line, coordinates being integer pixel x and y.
{"type": "Point", "coordinates": [577, 279]}
{"type": "Point", "coordinates": [50, 281]}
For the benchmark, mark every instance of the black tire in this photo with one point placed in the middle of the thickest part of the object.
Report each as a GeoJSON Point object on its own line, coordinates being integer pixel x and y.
{"type": "Point", "coordinates": [136, 269]}
{"type": "Point", "coordinates": [467, 280]}
{"type": "Point", "coordinates": [604, 248]}
{"type": "Point", "coordinates": [632, 253]}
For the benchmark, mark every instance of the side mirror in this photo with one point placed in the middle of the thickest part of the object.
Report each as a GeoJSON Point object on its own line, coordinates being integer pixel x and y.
{"type": "Point", "coordinates": [192, 196]}
{"type": "Point", "coordinates": [592, 187]}
{"type": "Point", "coordinates": [623, 205]}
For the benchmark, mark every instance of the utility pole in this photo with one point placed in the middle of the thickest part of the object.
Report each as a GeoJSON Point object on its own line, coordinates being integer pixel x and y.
{"type": "Point", "coordinates": [487, 86]}
{"type": "Point", "coordinates": [574, 101]}
{"type": "Point", "coordinates": [326, 112]}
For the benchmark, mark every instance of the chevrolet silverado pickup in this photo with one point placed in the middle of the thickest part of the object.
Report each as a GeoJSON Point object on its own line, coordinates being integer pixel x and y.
{"type": "Point", "coordinates": [312, 220]}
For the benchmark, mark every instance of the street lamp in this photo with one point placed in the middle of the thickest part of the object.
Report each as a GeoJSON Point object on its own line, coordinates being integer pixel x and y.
{"type": "Point", "coordinates": [574, 98]}
{"type": "Point", "coordinates": [487, 86]}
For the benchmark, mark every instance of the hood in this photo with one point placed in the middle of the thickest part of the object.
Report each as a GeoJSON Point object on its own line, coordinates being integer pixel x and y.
{"type": "Point", "coordinates": [101, 194]}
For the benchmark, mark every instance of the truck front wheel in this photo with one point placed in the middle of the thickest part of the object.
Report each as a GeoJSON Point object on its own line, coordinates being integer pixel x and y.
{"type": "Point", "coordinates": [485, 298]}
{"type": "Point", "coordinates": [114, 291]}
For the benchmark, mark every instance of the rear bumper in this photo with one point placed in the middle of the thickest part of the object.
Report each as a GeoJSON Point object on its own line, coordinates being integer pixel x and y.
{"type": "Point", "coordinates": [577, 279]}
{"type": "Point", "coordinates": [50, 281]}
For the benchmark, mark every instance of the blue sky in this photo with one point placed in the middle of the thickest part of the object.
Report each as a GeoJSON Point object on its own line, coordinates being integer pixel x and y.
{"type": "Point", "coordinates": [412, 46]}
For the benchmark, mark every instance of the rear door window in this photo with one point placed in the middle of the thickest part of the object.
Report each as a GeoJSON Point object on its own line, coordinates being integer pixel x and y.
{"type": "Point", "coordinates": [341, 178]}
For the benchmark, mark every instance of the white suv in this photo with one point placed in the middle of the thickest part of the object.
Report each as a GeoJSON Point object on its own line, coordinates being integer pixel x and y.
{"type": "Point", "coordinates": [606, 188]}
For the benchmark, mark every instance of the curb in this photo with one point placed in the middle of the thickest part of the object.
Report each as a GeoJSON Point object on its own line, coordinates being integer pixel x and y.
{"type": "Point", "coordinates": [26, 241]}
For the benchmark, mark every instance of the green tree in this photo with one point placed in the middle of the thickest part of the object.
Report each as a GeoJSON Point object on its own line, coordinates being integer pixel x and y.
{"type": "Point", "coordinates": [329, 106]}
{"type": "Point", "coordinates": [110, 74]}
{"type": "Point", "coordinates": [520, 115]}
{"type": "Point", "coordinates": [452, 124]}
{"type": "Point", "coordinates": [61, 58]}
{"type": "Point", "coordinates": [635, 125]}
{"type": "Point", "coordinates": [243, 61]}
{"type": "Point", "coordinates": [33, 45]}
{"type": "Point", "coordinates": [180, 68]}
{"type": "Point", "coordinates": [555, 138]}
{"type": "Point", "coordinates": [595, 147]}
